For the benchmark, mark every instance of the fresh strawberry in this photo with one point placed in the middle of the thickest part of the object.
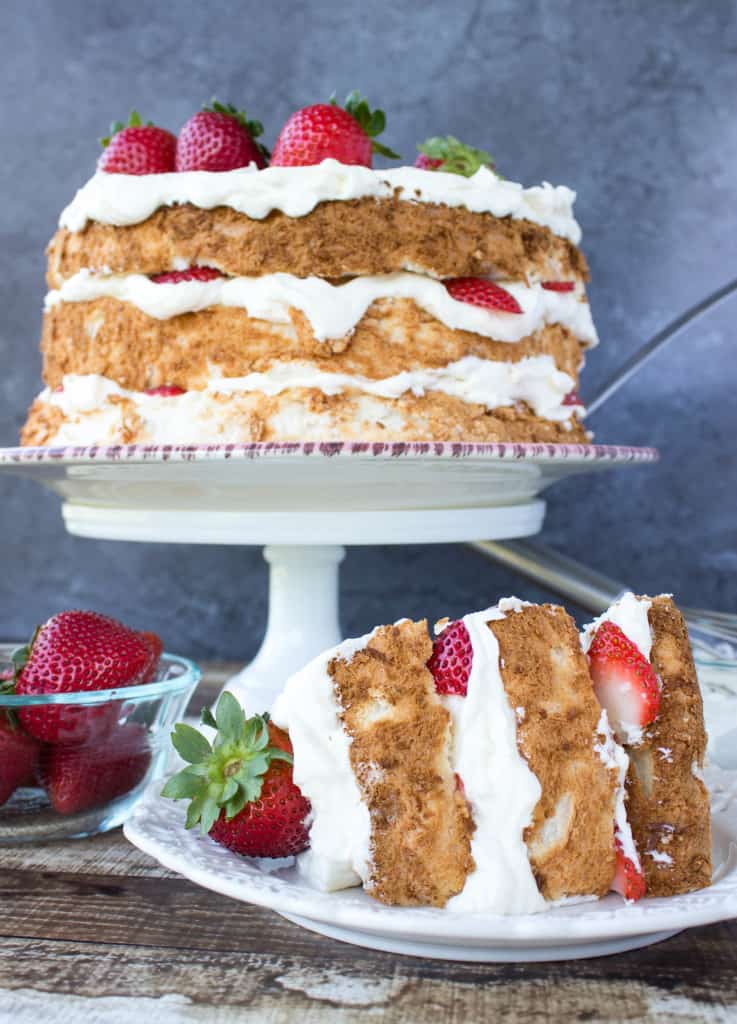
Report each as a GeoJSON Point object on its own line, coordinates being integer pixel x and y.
{"type": "Point", "coordinates": [137, 148]}
{"type": "Point", "coordinates": [18, 758]}
{"type": "Point", "coordinates": [624, 681]}
{"type": "Point", "coordinates": [241, 788]}
{"type": "Point", "coordinates": [166, 391]}
{"type": "Point", "coordinates": [155, 646]}
{"type": "Point", "coordinates": [326, 130]}
{"type": "Point", "coordinates": [76, 651]}
{"type": "Point", "coordinates": [450, 155]}
{"type": "Point", "coordinates": [572, 398]}
{"type": "Point", "coordinates": [559, 286]}
{"type": "Point", "coordinates": [220, 138]}
{"type": "Point", "coordinates": [77, 778]}
{"type": "Point", "coordinates": [629, 880]}
{"type": "Point", "coordinates": [190, 274]}
{"type": "Point", "coordinates": [451, 660]}
{"type": "Point", "coordinates": [480, 292]}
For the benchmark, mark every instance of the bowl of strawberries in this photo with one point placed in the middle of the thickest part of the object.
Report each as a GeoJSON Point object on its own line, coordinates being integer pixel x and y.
{"type": "Point", "coordinates": [86, 711]}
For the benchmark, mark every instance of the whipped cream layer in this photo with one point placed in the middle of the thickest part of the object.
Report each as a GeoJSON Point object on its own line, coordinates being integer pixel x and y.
{"type": "Point", "coordinates": [340, 831]}
{"type": "Point", "coordinates": [534, 380]}
{"type": "Point", "coordinates": [500, 788]}
{"type": "Point", "coordinates": [121, 199]}
{"type": "Point", "coordinates": [613, 756]}
{"type": "Point", "coordinates": [334, 310]}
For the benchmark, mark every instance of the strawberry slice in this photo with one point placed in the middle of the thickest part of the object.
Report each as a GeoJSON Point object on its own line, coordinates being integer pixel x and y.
{"type": "Point", "coordinates": [166, 391]}
{"type": "Point", "coordinates": [572, 398]}
{"type": "Point", "coordinates": [624, 682]}
{"type": "Point", "coordinates": [559, 286]}
{"type": "Point", "coordinates": [451, 659]}
{"type": "Point", "coordinates": [480, 292]}
{"type": "Point", "coordinates": [629, 880]}
{"type": "Point", "coordinates": [190, 274]}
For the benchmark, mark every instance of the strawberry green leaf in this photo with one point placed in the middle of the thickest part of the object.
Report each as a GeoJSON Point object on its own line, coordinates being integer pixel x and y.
{"type": "Point", "coordinates": [207, 718]}
{"type": "Point", "coordinates": [229, 717]}
{"type": "Point", "coordinates": [183, 785]}
{"type": "Point", "coordinates": [372, 122]}
{"type": "Point", "coordinates": [455, 156]}
{"type": "Point", "coordinates": [190, 744]}
{"type": "Point", "coordinates": [134, 121]}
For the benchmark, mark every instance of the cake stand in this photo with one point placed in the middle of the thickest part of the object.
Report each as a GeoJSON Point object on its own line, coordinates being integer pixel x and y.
{"type": "Point", "coordinates": [305, 502]}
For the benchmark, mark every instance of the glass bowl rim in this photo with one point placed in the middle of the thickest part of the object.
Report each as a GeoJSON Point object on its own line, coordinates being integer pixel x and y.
{"type": "Point", "coordinates": [191, 676]}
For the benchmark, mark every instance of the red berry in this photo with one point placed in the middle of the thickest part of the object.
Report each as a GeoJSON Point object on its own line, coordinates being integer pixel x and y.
{"type": "Point", "coordinates": [629, 880]}
{"type": "Point", "coordinates": [326, 131]}
{"type": "Point", "coordinates": [18, 758]}
{"type": "Point", "coordinates": [190, 274]}
{"type": "Point", "coordinates": [138, 149]}
{"type": "Point", "coordinates": [426, 163]}
{"type": "Point", "coordinates": [572, 398]}
{"type": "Point", "coordinates": [559, 286]}
{"type": "Point", "coordinates": [218, 140]}
{"type": "Point", "coordinates": [480, 292]}
{"type": "Point", "coordinates": [624, 681]}
{"type": "Point", "coordinates": [80, 651]}
{"type": "Point", "coordinates": [157, 649]}
{"type": "Point", "coordinates": [451, 660]}
{"type": "Point", "coordinates": [78, 778]}
{"type": "Point", "coordinates": [166, 391]}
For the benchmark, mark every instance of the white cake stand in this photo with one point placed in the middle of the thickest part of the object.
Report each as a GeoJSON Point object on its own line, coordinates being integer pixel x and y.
{"type": "Point", "coordinates": [305, 502]}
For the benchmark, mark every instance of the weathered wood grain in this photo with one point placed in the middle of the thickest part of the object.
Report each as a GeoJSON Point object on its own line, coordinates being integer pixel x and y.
{"type": "Point", "coordinates": [94, 931]}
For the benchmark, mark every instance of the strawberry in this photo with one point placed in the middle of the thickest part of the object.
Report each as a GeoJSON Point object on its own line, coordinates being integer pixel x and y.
{"type": "Point", "coordinates": [137, 148]}
{"type": "Point", "coordinates": [220, 138]}
{"type": "Point", "coordinates": [327, 131]}
{"type": "Point", "coordinates": [480, 292]}
{"type": "Point", "coordinates": [572, 398]}
{"type": "Point", "coordinates": [450, 155]}
{"type": "Point", "coordinates": [624, 681]}
{"type": "Point", "coordinates": [153, 639]}
{"type": "Point", "coordinates": [18, 758]}
{"type": "Point", "coordinates": [451, 660]}
{"type": "Point", "coordinates": [77, 778]}
{"type": "Point", "coordinates": [166, 391]}
{"type": "Point", "coordinates": [629, 880]}
{"type": "Point", "coordinates": [559, 286]}
{"type": "Point", "coordinates": [241, 788]}
{"type": "Point", "coordinates": [78, 651]}
{"type": "Point", "coordinates": [190, 274]}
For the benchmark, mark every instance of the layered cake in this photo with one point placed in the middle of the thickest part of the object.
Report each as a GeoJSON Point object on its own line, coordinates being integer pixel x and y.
{"type": "Point", "coordinates": [315, 298]}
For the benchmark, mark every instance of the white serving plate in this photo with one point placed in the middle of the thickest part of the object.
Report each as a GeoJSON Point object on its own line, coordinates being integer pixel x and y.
{"type": "Point", "coordinates": [586, 929]}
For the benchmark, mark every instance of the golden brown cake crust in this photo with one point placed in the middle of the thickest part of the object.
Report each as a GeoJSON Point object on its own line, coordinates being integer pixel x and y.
{"type": "Point", "coordinates": [400, 743]}
{"type": "Point", "coordinates": [668, 805]}
{"type": "Point", "coordinates": [337, 239]}
{"type": "Point", "coordinates": [571, 837]}
{"type": "Point", "coordinates": [248, 417]}
{"type": "Point", "coordinates": [116, 340]}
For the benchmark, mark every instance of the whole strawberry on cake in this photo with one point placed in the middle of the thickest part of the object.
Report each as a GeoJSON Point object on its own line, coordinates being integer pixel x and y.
{"type": "Point", "coordinates": [205, 291]}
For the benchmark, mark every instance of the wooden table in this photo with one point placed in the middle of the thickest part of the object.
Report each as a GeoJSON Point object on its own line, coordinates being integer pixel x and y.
{"type": "Point", "coordinates": [95, 931]}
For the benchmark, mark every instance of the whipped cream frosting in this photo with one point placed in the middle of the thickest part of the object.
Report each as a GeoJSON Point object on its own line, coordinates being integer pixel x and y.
{"type": "Point", "coordinates": [334, 310]}
{"type": "Point", "coordinates": [535, 380]}
{"type": "Point", "coordinates": [500, 788]}
{"type": "Point", "coordinates": [340, 831]}
{"type": "Point", "coordinates": [613, 756]}
{"type": "Point", "coordinates": [121, 199]}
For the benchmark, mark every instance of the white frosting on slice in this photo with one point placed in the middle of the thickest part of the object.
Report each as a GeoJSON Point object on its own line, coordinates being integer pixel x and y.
{"type": "Point", "coordinates": [121, 199]}
{"type": "Point", "coordinates": [501, 789]}
{"type": "Point", "coordinates": [613, 756]}
{"type": "Point", "coordinates": [340, 830]}
{"type": "Point", "coordinates": [334, 310]}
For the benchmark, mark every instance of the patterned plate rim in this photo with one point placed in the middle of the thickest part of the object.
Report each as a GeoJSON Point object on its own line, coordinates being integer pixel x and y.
{"type": "Point", "coordinates": [73, 455]}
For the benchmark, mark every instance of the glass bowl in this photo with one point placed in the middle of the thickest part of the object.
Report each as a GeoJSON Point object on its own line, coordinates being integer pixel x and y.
{"type": "Point", "coordinates": [718, 680]}
{"type": "Point", "coordinates": [108, 746]}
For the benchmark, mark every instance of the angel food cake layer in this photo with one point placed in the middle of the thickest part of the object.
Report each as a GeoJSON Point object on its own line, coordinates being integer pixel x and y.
{"type": "Point", "coordinates": [479, 772]}
{"type": "Point", "coordinates": [324, 302]}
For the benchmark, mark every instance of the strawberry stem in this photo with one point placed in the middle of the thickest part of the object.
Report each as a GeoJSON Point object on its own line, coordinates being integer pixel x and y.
{"type": "Point", "coordinates": [455, 156]}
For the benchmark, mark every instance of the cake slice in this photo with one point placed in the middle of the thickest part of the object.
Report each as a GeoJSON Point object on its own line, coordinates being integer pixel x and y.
{"type": "Point", "coordinates": [662, 732]}
{"type": "Point", "coordinates": [495, 790]}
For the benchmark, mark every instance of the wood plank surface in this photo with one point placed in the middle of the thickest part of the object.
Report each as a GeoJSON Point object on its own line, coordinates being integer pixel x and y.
{"type": "Point", "coordinates": [95, 931]}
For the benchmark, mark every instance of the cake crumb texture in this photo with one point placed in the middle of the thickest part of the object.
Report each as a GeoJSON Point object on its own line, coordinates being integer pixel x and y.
{"type": "Point", "coordinates": [400, 753]}
{"type": "Point", "coordinates": [571, 837]}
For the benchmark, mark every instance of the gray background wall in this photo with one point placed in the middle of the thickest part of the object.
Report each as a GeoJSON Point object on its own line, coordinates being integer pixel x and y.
{"type": "Point", "coordinates": [632, 104]}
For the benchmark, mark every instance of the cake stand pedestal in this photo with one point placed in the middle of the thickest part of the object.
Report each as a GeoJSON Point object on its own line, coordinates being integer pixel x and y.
{"type": "Point", "coordinates": [305, 502]}
{"type": "Point", "coordinates": [303, 617]}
